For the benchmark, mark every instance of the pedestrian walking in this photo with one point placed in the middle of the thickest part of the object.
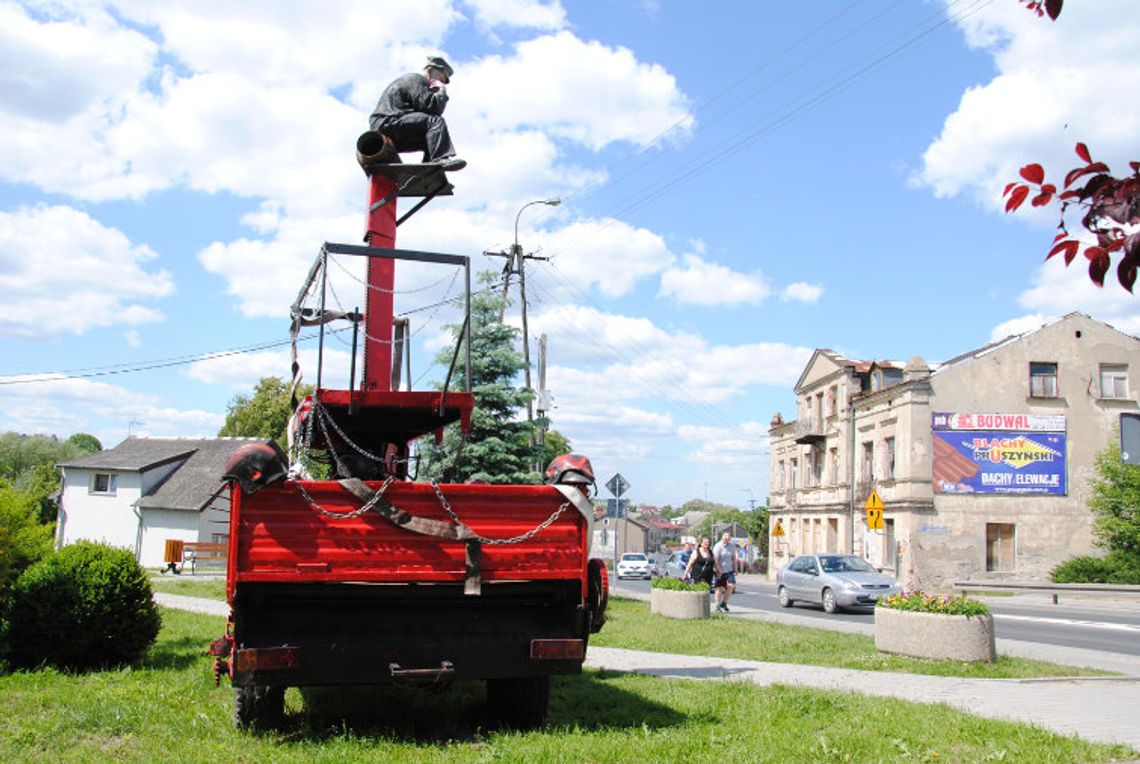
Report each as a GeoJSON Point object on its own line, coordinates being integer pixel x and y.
{"type": "Point", "coordinates": [725, 555]}
{"type": "Point", "coordinates": [702, 567]}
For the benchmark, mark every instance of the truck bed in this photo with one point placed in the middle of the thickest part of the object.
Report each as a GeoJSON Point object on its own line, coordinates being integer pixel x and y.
{"type": "Point", "coordinates": [277, 536]}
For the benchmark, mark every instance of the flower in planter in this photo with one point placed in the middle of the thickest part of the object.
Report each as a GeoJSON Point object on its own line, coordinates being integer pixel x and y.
{"type": "Point", "coordinates": [921, 602]}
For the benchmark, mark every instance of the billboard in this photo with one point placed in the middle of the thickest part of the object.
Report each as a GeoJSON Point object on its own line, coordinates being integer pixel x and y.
{"type": "Point", "coordinates": [998, 453]}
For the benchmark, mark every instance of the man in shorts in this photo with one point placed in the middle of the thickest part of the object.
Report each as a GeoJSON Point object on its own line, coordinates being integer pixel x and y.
{"type": "Point", "coordinates": [725, 554]}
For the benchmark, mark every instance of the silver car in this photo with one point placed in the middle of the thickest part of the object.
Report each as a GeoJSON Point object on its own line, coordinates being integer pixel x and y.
{"type": "Point", "coordinates": [835, 581]}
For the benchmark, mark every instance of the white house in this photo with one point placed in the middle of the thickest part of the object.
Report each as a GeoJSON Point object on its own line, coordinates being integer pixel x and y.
{"type": "Point", "coordinates": [145, 491]}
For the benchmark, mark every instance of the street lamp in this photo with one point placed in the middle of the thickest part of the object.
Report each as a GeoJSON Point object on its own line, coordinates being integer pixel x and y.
{"type": "Point", "coordinates": [517, 255]}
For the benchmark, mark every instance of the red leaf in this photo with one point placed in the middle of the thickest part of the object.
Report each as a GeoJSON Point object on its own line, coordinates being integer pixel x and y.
{"type": "Point", "coordinates": [1008, 186]}
{"type": "Point", "coordinates": [1072, 194]}
{"type": "Point", "coordinates": [1083, 153]}
{"type": "Point", "coordinates": [1069, 247]}
{"type": "Point", "coordinates": [1016, 198]}
{"type": "Point", "coordinates": [1093, 252]}
{"type": "Point", "coordinates": [1042, 199]}
{"type": "Point", "coordinates": [1048, 188]}
{"type": "Point", "coordinates": [1053, 8]}
{"type": "Point", "coordinates": [1034, 173]}
{"type": "Point", "coordinates": [1073, 174]}
{"type": "Point", "coordinates": [1057, 238]}
{"type": "Point", "coordinates": [1097, 167]}
{"type": "Point", "coordinates": [1135, 166]}
{"type": "Point", "coordinates": [1098, 267]}
{"type": "Point", "coordinates": [1126, 274]}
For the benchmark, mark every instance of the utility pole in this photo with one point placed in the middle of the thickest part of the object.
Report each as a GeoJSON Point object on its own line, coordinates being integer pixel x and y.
{"type": "Point", "coordinates": [516, 262]}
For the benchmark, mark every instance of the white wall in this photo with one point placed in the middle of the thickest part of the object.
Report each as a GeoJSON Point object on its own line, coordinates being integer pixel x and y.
{"type": "Point", "coordinates": [109, 517]}
{"type": "Point", "coordinates": [160, 525]}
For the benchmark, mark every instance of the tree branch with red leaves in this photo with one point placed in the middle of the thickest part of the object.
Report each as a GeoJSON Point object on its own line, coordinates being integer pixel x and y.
{"type": "Point", "coordinates": [1041, 7]}
{"type": "Point", "coordinates": [1111, 213]}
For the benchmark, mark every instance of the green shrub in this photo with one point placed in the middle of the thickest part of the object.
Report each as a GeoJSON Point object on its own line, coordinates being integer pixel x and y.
{"type": "Point", "coordinates": [921, 602]}
{"type": "Point", "coordinates": [677, 584]}
{"type": "Point", "coordinates": [1081, 570]}
{"type": "Point", "coordinates": [1114, 568]}
{"type": "Point", "coordinates": [86, 606]}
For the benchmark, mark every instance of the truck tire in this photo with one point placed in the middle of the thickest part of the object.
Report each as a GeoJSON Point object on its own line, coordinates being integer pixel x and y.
{"type": "Point", "coordinates": [520, 702]}
{"type": "Point", "coordinates": [258, 707]}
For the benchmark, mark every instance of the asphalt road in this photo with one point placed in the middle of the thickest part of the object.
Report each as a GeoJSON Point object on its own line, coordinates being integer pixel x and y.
{"type": "Point", "coordinates": [1087, 623]}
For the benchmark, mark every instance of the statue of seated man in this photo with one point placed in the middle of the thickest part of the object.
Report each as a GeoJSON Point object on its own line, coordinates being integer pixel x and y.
{"type": "Point", "coordinates": [410, 113]}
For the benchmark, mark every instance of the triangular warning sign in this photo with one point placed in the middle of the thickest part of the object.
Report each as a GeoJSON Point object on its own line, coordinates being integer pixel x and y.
{"type": "Point", "coordinates": [873, 501]}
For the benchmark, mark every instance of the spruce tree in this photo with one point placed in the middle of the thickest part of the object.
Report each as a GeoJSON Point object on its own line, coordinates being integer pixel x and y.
{"type": "Point", "coordinates": [497, 449]}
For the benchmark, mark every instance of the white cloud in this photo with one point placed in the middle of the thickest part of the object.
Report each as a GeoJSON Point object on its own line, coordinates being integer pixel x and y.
{"type": "Point", "coordinates": [132, 338]}
{"type": "Point", "coordinates": [578, 90]}
{"type": "Point", "coordinates": [518, 13]}
{"type": "Point", "coordinates": [1057, 83]}
{"type": "Point", "coordinates": [746, 443]}
{"type": "Point", "coordinates": [60, 405]}
{"type": "Point", "coordinates": [1057, 290]}
{"type": "Point", "coordinates": [242, 372]}
{"type": "Point", "coordinates": [65, 273]}
{"type": "Point", "coordinates": [802, 291]}
{"type": "Point", "coordinates": [700, 282]}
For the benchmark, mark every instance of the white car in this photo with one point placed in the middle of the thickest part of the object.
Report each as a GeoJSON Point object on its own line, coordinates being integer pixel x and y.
{"type": "Point", "coordinates": [634, 565]}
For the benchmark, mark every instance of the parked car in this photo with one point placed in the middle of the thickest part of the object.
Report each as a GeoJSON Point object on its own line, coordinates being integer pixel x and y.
{"type": "Point", "coordinates": [674, 566]}
{"type": "Point", "coordinates": [835, 581]}
{"type": "Point", "coordinates": [634, 565]}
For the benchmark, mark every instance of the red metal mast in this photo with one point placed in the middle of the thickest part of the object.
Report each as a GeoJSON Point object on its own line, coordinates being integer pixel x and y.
{"type": "Point", "coordinates": [381, 279]}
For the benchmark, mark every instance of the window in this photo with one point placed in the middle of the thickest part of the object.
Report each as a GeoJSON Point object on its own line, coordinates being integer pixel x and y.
{"type": "Point", "coordinates": [889, 459]}
{"type": "Point", "coordinates": [1113, 381]}
{"type": "Point", "coordinates": [999, 546]}
{"type": "Point", "coordinates": [817, 466]}
{"type": "Point", "coordinates": [102, 482]}
{"type": "Point", "coordinates": [834, 466]}
{"type": "Point", "coordinates": [868, 462]}
{"type": "Point", "coordinates": [792, 467]}
{"type": "Point", "coordinates": [780, 475]}
{"type": "Point", "coordinates": [1043, 380]}
{"type": "Point", "coordinates": [832, 400]}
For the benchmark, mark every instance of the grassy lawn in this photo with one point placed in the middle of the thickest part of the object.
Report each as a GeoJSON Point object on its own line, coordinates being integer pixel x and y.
{"type": "Point", "coordinates": [189, 586]}
{"type": "Point", "coordinates": [630, 625]}
{"type": "Point", "coordinates": [169, 709]}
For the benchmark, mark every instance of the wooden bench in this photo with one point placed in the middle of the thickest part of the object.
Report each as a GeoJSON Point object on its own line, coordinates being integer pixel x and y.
{"type": "Point", "coordinates": [204, 552]}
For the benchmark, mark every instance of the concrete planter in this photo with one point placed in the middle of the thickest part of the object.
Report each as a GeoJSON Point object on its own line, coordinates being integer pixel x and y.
{"type": "Point", "coordinates": [678, 604]}
{"type": "Point", "coordinates": [935, 635]}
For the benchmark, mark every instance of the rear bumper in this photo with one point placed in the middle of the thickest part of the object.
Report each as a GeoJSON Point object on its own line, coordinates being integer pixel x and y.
{"type": "Point", "coordinates": [330, 634]}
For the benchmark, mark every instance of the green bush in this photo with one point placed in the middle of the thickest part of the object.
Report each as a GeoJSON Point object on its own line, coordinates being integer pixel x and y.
{"type": "Point", "coordinates": [677, 584]}
{"type": "Point", "coordinates": [1081, 570]}
{"type": "Point", "coordinates": [920, 602]}
{"type": "Point", "coordinates": [86, 606]}
{"type": "Point", "coordinates": [1114, 568]}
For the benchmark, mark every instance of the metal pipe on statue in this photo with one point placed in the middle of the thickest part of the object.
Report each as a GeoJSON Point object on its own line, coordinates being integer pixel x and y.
{"type": "Point", "coordinates": [381, 279]}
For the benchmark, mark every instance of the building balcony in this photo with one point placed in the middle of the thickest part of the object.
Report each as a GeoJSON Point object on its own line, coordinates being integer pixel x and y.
{"type": "Point", "coordinates": [809, 431]}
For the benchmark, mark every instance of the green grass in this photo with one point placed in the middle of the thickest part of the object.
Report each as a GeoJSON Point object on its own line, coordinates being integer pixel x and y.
{"type": "Point", "coordinates": [168, 709]}
{"type": "Point", "coordinates": [630, 625]}
{"type": "Point", "coordinates": [208, 588]}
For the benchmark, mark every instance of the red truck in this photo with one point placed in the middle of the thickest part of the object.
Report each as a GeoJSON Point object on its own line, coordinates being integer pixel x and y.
{"type": "Point", "coordinates": [370, 578]}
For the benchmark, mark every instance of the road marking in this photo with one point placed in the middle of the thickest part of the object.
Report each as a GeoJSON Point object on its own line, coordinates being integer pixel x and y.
{"type": "Point", "coordinates": [1071, 622]}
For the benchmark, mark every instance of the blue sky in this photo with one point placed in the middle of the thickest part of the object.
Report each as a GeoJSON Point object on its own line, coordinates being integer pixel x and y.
{"type": "Point", "coordinates": [742, 182]}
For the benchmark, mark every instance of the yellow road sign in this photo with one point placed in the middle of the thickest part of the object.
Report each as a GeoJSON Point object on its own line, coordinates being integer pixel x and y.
{"type": "Point", "coordinates": [875, 519]}
{"type": "Point", "coordinates": [778, 530]}
{"type": "Point", "coordinates": [874, 507]}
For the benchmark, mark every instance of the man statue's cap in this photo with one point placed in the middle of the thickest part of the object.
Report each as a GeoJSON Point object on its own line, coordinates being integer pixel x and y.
{"type": "Point", "coordinates": [438, 62]}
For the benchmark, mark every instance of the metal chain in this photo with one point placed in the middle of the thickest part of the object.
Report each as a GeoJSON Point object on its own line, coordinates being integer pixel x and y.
{"type": "Point", "coordinates": [513, 539]}
{"type": "Point", "coordinates": [365, 507]}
